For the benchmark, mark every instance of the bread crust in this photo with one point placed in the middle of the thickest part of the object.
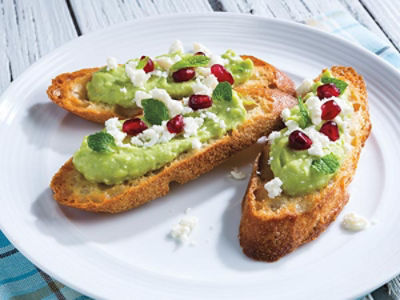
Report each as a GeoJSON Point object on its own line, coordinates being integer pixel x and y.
{"type": "Point", "coordinates": [272, 228]}
{"type": "Point", "coordinates": [268, 87]}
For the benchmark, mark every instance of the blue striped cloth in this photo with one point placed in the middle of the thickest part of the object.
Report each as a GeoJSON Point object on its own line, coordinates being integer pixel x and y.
{"type": "Point", "coordinates": [20, 279]}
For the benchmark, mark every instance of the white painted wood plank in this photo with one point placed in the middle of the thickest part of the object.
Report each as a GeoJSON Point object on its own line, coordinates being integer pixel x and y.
{"type": "Point", "coordinates": [30, 29]}
{"type": "Point", "coordinates": [297, 10]}
{"type": "Point", "coordinates": [387, 14]}
{"type": "Point", "coordinates": [95, 14]}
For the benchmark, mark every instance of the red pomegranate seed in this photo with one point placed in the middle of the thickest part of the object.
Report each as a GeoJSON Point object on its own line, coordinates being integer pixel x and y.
{"type": "Point", "coordinates": [330, 110]}
{"type": "Point", "coordinates": [183, 74]}
{"type": "Point", "coordinates": [199, 101]}
{"type": "Point", "coordinates": [221, 73]}
{"type": "Point", "coordinates": [175, 125]}
{"type": "Point", "coordinates": [149, 67]}
{"type": "Point", "coordinates": [328, 90]}
{"type": "Point", "coordinates": [331, 130]}
{"type": "Point", "coordinates": [134, 126]}
{"type": "Point", "coordinates": [200, 53]}
{"type": "Point", "coordinates": [299, 140]}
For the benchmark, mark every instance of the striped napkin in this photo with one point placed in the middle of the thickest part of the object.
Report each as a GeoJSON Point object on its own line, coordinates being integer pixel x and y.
{"type": "Point", "coordinates": [20, 279]}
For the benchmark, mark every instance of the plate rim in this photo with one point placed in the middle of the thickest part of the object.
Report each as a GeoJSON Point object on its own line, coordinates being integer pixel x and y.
{"type": "Point", "coordinates": [302, 27]}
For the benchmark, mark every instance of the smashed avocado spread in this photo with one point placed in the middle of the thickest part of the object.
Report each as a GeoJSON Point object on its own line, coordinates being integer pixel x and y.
{"type": "Point", "coordinates": [129, 149]}
{"type": "Point", "coordinates": [119, 84]}
{"type": "Point", "coordinates": [306, 154]}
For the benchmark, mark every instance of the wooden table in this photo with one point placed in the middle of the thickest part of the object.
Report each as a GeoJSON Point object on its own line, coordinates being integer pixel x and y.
{"type": "Point", "coordinates": [30, 29]}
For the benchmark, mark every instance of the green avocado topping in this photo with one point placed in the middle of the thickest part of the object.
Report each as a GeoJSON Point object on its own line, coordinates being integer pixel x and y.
{"type": "Point", "coordinates": [303, 172]}
{"type": "Point", "coordinates": [112, 156]}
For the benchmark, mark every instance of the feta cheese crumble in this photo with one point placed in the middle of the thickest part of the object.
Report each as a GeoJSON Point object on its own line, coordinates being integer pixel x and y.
{"type": "Point", "coordinates": [176, 46]}
{"type": "Point", "coordinates": [273, 135]}
{"type": "Point", "coordinates": [196, 144]}
{"type": "Point", "coordinates": [304, 87]}
{"type": "Point", "coordinates": [113, 127]}
{"type": "Point", "coordinates": [237, 174]}
{"type": "Point", "coordinates": [123, 90]}
{"type": "Point", "coordinates": [181, 232]}
{"type": "Point", "coordinates": [191, 125]}
{"type": "Point", "coordinates": [273, 187]}
{"type": "Point", "coordinates": [314, 107]}
{"type": "Point", "coordinates": [197, 47]}
{"type": "Point", "coordinates": [354, 222]}
{"type": "Point", "coordinates": [138, 77]}
{"type": "Point", "coordinates": [111, 63]}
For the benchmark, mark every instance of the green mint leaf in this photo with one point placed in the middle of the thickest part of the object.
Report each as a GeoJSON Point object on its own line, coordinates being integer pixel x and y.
{"type": "Point", "coordinates": [191, 62]}
{"type": "Point", "coordinates": [142, 63]}
{"type": "Point", "coordinates": [340, 84]}
{"type": "Point", "coordinates": [155, 111]}
{"type": "Point", "coordinates": [327, 164]}
{"type": "Point", "coordinates": [222, 92]}
{"type": "Point", "coordinates": [304, 116]}
{"type": "Point", "coordinates": [101, 142]}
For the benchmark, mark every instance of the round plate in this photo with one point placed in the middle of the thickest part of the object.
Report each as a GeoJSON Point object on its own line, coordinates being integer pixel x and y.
{"type": "Point", "coordinates": [128, 255]}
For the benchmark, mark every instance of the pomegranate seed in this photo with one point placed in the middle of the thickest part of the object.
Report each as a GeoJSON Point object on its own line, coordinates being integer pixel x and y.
{"type": "Point", "coordinates": [330, 110]}
{"type": "Point", "coordinates": [221, 73]}
{"type": "Point", "coordinates": [149, 67]}
{"type": "Point", "coordinates": [328, 90]}
{"type": "Point", "coordinates": [134, 126]}
{"type": "Point", "coordinates": [199, 101]}
{"type": "Point", "coordinates": [175, 125]}
{"type": "Point", "coordinates": [331, 130]}
{"type": "Point", "coordinates": [184, 74]}
{"type": "Point", "coordinates": [200, 53]}
{"type": "Point", "coordinates": [299, 140]}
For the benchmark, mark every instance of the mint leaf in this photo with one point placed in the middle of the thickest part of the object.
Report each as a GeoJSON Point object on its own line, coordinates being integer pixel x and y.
{"type": "Point", "coordinates": [340, 84]}
{"type": "Point", "coordinates": [155, 111]}
{"type": "Point", "coordinates": [101, 142]}
{"type": "Point", "coordinates": [327, 164]}
{"type": "Point", "coordinates": [222, 92]}
{"type": "Point", "coordinates": [142, 63]}
{"type": "Point", "coordinates": [304, 117]}
{"type": "Point", "coordinates": [191, 62]}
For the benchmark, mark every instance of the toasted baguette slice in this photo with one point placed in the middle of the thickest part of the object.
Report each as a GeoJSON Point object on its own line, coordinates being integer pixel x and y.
{"type": "Point", "coordinates": [68, 90]}
{"type": "Point", "coordinates": [271, 228]}
{"type": "Point", "coordinates": [270, 89]}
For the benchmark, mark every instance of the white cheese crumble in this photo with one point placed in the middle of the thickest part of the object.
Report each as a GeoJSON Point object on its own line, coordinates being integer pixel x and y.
{"type": "Point", "coordinates": [176, 46]}
{"type": "Point", "coordinates": [165, 62]}
{"type": "Point", "coordinates": [203, 71]}
{"type": "Point", "coordinates": [320, 142]}
{"type": "Point", "coordinates": [273, 187]}
{"type": "Point", "coordinates": [304, 87]}
{"type": "Point", "coordinates": [205, 85]}
{"type": "Point", "coordinates": [291, 125]}
{"type": "Point", "coordinates": [217, 59]}
{"type": "Point", "coordinates": [139, 96]}
{"type": "Point", "coordinates": [191, 125]}
{"type": "Point", "coordinates": [314, 107]}
{"type": "Point", "coordinates": [196, 144]}
{"type": "Point", "coordinates": [138, 77]}
{"type": "Point", "coordinates": [175, 107]}
{"type": "Point", "coordinates": [237, 174]}
{"type": "Point", "coordinates": [197, 47]}
{"type": "Point", "coordinates": [123, 90]}
{"type": "Point", "coordinates": [113, 127]}
{"type": "Point", "coordinates": [285, 114]}
{"type": "Point", "coordinates": [158, 73]}
{"type": "Point", "coordinates": [156, 134]}
{"type": "Point", "coordinates": [354, 222]}
{"type": "Point", "coordinates": [111, 63]}
{"type": "Point", "coordinates": [181, 232]}
{"type": "Point", "coordinates": [273, 135]}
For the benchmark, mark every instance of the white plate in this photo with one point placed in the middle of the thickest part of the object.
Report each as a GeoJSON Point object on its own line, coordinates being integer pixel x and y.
{"type": "Point", "coordinates": [128, 255]}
